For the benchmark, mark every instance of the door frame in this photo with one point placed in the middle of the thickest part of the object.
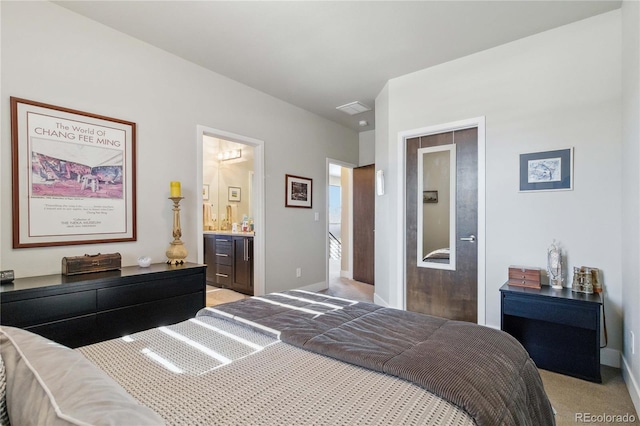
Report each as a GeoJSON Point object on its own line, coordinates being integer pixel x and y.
{"type": "Point", "coordinates": [478, 122]}
{"type": "Point", "coordinates": [326, 215]}
{"type": "Point", "coordinates": [258, 201]}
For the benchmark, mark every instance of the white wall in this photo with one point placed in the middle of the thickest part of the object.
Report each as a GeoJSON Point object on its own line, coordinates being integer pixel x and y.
{"type": "Point", "coordinates": [52, 55]}
{"type": "Point", "coordinates": [367, 141]}
{"type": "Point", "coordinates": [386, 267]}
{"type": "Point", "coordinates": [557, 89]}
{"type": "Point", "coordinates": [631, 195]}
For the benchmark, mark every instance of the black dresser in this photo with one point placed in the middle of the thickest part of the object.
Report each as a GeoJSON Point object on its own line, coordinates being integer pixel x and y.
{"type": "Point", "coordinates": [559, 328]}
{"type": "Point", "coordinates": [82, 309]}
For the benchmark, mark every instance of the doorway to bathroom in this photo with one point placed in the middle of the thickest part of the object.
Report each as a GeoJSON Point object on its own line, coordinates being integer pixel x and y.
{"type": "Point", "coordinates": [230, 170]}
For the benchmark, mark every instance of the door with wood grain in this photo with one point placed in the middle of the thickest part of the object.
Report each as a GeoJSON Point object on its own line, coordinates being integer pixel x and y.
{"type": "Point", "coordinates": [363, 223]}
{"type": "Point", "coordinates": [446, 293]}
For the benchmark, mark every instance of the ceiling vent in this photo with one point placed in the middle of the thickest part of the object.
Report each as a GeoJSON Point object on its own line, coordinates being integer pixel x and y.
{"type": "Point", "coordinates": [353, 108]}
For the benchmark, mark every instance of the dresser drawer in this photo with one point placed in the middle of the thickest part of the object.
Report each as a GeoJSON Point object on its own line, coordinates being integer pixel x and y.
{"type": "Point", "coordinates": [78, 331]}
{"type": "Point", "coordinates": [130, 319]}
{"type": "Point", "coordinates": [24, 313]}
{"type": "Point", "coordinates": [119, 296]}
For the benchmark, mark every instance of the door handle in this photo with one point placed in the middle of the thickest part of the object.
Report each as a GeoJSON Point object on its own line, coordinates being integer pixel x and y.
{"type": "Point", "coordinates": [471, 238]}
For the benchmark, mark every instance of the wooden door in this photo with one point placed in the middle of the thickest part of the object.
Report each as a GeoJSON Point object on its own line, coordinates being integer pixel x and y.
{"type": "Point", "coordinates": [445, 293]}
{"type": "Point", "coordinates": [363, 223]}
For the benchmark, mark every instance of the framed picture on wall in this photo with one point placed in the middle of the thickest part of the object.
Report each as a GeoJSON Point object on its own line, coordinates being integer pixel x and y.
{"type": "Point", "coordinates": [547, 170]}
{"type": "Point", "coordinates": [234, 193]}
{"type": "Point", "coordinates": [74, 176]}
{"type": "Point", "coordinates": [298, 191]}
{"type": "Point", "coordinates": [429, 196]}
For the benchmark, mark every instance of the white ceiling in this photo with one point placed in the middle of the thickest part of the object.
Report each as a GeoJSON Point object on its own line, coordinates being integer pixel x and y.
{"type": "Point", "coordinates": [322, 54]}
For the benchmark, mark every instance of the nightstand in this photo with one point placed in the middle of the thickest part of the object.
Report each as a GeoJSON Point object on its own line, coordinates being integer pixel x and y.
{"type": "Point", "coordinates": [559, 328]}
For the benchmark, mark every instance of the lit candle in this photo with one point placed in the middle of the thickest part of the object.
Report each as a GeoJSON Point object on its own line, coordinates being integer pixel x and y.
{"type": "Point", "coordinates": [175, 189]}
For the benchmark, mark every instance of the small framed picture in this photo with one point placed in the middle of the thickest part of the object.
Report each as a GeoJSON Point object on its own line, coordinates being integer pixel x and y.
{"type": "Point", "coordinates": [429, 196]}
{"type": "Point", "coordinates": [298, 191]}
{"type": "Point", "coordinates": [234, 193]}
{"type": "Point", "coordinates": [547, 170]}
{"type": "Point", "coordinates": [205, 192]}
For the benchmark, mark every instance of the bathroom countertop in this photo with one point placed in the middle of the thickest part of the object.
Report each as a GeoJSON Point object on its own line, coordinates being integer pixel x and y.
{"type": "Point", "coordinates": [249, 234]}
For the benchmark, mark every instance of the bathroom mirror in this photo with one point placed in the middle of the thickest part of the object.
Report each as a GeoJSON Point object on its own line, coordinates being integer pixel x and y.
{"type": "Point", "coordinates": [227, 175]}
{"type": "Point", "coordinates": [437, 207]}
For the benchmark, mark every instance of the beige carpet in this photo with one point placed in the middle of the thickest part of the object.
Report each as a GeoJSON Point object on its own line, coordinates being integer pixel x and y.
{"type": "Point", "coordinates": [218, 296]}
{"type": "Point", "coordinates": [575, 399]}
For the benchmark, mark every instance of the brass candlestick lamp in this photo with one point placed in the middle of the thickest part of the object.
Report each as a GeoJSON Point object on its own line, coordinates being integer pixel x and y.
{"type": "Point", "coordinates": [177, 252]}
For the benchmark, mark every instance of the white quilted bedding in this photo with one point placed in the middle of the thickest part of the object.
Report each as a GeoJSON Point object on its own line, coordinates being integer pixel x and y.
{"type": "Point", "coordinates": [207, 371]}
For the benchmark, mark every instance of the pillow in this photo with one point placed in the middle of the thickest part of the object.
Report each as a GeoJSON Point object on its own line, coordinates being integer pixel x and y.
{"type": "Point", "coordinates": [4, 415]}
{"type": "Point", "coordinates": [48, 383]}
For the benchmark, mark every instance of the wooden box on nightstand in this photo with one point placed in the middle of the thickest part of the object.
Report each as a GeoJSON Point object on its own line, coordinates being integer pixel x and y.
{"type": "Point", "coordinates": [524, 276]}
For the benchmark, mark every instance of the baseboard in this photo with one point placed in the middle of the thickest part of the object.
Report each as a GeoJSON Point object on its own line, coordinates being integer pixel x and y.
{"type": "Point", "coordinates": [379, 300]}
{"type": "Point", "coordinates": [346, 274]}
{"type": "Point", "coordinates": [610, 357]}
{"type": "Point", "coordinates": [322, 285]}
{"type": "Point", "coordinates": [632, 385]}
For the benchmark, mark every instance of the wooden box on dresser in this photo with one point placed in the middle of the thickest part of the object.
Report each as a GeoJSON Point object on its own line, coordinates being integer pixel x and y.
{"type": "Point", "coordinates": [229, 259]}
{"type": "Point", "coordinates": [83, 309]}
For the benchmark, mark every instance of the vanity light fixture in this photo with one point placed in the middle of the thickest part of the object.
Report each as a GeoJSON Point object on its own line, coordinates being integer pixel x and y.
{"type": "Point", "coordinates": [230, 155]}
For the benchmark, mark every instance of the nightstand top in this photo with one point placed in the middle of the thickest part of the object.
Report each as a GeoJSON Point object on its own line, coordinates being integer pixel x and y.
{"type": "Point", "coordinates": [548, 291]}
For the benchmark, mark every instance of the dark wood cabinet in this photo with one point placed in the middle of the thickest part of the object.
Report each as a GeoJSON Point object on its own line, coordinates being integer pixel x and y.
{"type": "Point", "coordinates": [559, 328]}
{"type": "Point", "coordinates": [243, 264]}
{"type": "Point", "coordinates": [209, 246]}
{"type": "Point", "coordinates": [82, 309]}
{"type": "Point", "coordinates": [229, 260]}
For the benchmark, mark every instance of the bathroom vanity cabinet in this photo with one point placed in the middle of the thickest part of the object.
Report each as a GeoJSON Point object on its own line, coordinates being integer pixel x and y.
{"type": "Point", "coordinates": [229, 259]}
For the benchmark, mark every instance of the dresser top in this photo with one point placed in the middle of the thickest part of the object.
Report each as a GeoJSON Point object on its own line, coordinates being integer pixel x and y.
{"type": "Point", "coordinates": [28, 283]}
{"type": "Point", "coordinates": [548, 291]}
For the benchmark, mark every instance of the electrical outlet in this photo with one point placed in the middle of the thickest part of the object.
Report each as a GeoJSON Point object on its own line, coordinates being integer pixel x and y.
{"type": "Point", "coordinates": [633, 343]}
{"type": "Point", "coordinates": [298, 272]}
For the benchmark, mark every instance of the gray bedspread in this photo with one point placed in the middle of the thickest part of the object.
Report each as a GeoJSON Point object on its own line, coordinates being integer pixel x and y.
{"type": "Point", "coordinates": [484, 371]}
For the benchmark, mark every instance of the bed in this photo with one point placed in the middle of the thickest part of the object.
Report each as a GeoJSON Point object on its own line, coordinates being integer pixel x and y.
{"type": "Point", "coordinates": [440, 255]}
{"type": "Point", "coordinates": [293, 358]}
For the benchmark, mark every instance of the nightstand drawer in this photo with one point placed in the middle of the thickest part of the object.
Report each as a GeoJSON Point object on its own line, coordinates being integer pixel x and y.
{"type": "Point", "coordinates": [549, 311]}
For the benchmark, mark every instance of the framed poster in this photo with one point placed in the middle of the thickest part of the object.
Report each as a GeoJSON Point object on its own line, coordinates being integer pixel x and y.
{"type": "Point", "coordinates": [298, 191]}
{"type": "Point", "coordinates": [547, 171]}
{"type": "Point", "coordinates": [74, 176]}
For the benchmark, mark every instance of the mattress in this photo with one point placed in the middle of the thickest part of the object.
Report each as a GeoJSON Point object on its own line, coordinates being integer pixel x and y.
{"type": "Point", "coordinates": [210, 371]}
